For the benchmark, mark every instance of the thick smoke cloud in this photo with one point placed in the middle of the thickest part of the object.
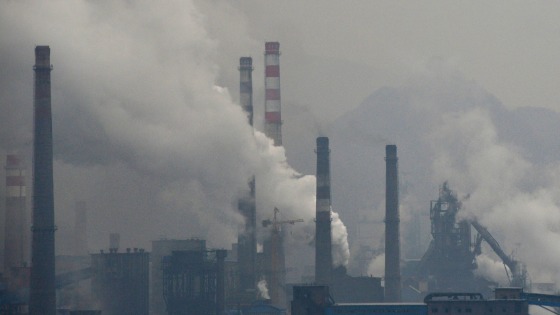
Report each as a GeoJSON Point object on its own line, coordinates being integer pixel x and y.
{"type": "Point", "coordinates": [143, 132]}
{"type": "Point", "coordinates": [450, 129]}
{"type": "Point", "coordinates": [516, 198]}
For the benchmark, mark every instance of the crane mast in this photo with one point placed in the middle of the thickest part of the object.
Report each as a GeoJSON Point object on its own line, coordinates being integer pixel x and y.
{"type": "Point", "coordinates": [275, 265]}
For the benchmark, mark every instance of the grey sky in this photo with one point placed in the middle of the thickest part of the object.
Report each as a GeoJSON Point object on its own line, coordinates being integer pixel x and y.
{"type": "Point", "coordinates": [509, 47]}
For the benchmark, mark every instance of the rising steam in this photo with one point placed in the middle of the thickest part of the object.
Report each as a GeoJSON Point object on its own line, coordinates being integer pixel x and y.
{"type": "Point", "coordinates": [263, 289]}
{"type": "Point", "coordinates": [142, 130]}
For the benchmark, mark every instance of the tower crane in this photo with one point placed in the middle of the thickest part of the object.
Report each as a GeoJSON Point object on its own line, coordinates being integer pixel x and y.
{"type": "Point", "coordinates": [275, 265]}
{"type": "Point", "coordinates": [277, 224]}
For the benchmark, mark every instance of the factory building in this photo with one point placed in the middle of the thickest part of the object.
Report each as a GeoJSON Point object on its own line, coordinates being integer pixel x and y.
{"type": "Point", "coordinates": [316, 300]}
{"type": "Point", "coordinates": [160, 249]}
{"type": "Point", "coordinates": [120, 281]}
{"type": "Point", "coordinates": [194, 282]}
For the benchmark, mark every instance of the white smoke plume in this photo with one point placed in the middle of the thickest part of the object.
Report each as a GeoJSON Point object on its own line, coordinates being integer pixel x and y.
{"type": "Point", "coordinates": [491, 269]}
{"type": "Point", "coordinates": [341, 250]}
{"type": "Point", "coordinates": [377, 266]}
{"type": "Point", "coordinates": [516, 199]}
{"type": "Point", "coordinates": [143, 131]}
{"type": "Point", "coordinates": [263, 289]}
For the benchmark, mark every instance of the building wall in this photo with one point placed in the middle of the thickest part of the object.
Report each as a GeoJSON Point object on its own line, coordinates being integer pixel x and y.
{"type": "Point", "coordinates": [160, 249]}
{"type": "Point", "coordinates": [120, 282]}
{"type": "Point", "coordinates": [484, 307]}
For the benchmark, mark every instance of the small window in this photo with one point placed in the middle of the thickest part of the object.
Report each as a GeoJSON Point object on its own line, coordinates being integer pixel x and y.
{"type": "Point", "coordinates": [434, 310]}
{"type": "Point", "coordinates": [447, 310]}
{"type": "Point", "coordinates": [468, 310]}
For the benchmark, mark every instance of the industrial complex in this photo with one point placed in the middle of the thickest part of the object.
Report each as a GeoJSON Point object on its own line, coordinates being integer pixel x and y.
{"type": "Point", "coordinates": [188, 277]}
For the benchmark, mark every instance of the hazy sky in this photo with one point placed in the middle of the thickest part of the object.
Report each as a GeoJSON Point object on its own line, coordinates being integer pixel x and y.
{"type": "Point", "coordinates": [509, 47]}
{"type": "Point", "coordinates": [147, 129]}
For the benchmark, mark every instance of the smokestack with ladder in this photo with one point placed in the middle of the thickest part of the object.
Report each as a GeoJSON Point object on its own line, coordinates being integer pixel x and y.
{"type": "Point", "coordinates": [323, 243]}
{"type": "Point", "coordinates": [272, 115]}
{"type": "Point", "coordinates": [392, 239]}
{"type": "Point", "coordinates": [16, 247]}
{"type": "Point", "coordinates": [247, 239]}
{"type": "Point", "coordinates": [42, 298]}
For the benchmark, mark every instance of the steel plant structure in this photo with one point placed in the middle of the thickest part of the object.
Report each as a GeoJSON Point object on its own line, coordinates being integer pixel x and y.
{"type": "Point", "coordinates": [194, 282]}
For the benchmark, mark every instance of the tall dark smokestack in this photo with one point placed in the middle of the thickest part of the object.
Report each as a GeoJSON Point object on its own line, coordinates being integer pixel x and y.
{"type": "Point", "coordinates": [16, 246]}
{"type": "Point", "coordinates": [42, 291]}
{"type": "Point", "coordinates": [392, 241]}
{"type": "Point", "coordinates": [247, 239]}
{"type": "Point", "coordinates": [323, 243]}
{"type": "Point", "coordinates": [272, 105]}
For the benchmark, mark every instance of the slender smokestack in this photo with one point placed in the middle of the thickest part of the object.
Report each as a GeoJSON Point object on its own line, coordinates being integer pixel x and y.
{"type": "Point", "coordinates": [392, 241]}
{"type": "Point", "coordinates": [114, 242]}
{"type": "Point", "coordinates": [247, 239]}
{"type": "Point", "coordinates": [80, 229]}
{"type": "Point", "coordinates": [323, 243]}
{"type": "Point", "coordinates": [246, 86]}
{"type": "Point", "coordinates": [221, 281]}
{"type": "Point", "coordinates": [272, 115]}
{"type": "Point", "coordinates": [16, 247]}
{"type": "Point", "coordinates": [42, 291]}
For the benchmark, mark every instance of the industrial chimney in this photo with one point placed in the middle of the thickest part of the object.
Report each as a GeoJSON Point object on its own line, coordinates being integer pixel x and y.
{"type": "Point", "coordinates": [272, 116]}
{"type": "Point", "coordinates": [246, 86]}
{"type": "Point", "coordinates": [392, 241]}
{"type": "Point", "coordinates": [42, 288]}
{"type": "Point", "coordinates": [80, 229]}
{"type": "Point", "coordinates": [323, 243]}
{"type": "Point", "coordinates": [16, 246]}
{"type": "Point", "coordinates": [247, 239]}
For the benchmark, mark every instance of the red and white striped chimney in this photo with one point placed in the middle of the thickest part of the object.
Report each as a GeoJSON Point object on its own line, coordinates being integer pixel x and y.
{"type": "Point", "coordinates": [16, 244]}
{"type": "Point", "coordinates": [272, 116]}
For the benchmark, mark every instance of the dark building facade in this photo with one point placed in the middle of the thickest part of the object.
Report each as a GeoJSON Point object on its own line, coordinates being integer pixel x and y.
{"type": "Point", "coordinates": [120, 282]}
{"type": "Point", "coordinates": [194, 282]}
